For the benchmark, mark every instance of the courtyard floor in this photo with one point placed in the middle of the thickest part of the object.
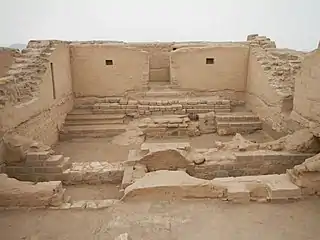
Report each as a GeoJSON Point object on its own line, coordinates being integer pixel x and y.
{"type": "Point", "coordinates": [102, 149]}
{"type": "Point", "coordinates": [185, 220]}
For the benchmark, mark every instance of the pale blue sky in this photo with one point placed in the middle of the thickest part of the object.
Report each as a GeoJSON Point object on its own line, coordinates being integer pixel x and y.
{"type": "Point", "coordinates": [292, 23]}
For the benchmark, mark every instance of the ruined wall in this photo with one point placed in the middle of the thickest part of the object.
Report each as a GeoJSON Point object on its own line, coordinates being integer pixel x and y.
{"type": "Point", "coordinates": [41, 117]}
{"type": "Point", "coordinates": [6, 59]}
{"type": "Point", "coordinates": [108, 69]}
{"type": "Point", "coordinates": [306, 104]}
{"type": "Point", "coordinates": [270, 82]}
{"type": "Point", "coordinates": [211, 68]}
{"type": "Point", "coordinates": [261, 98]}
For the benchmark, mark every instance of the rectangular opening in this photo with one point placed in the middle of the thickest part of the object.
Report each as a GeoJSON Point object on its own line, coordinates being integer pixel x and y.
{"type": "Point", "coordinates": [109, 62]}
{"type": "Point", "coordinates": [53, 83]}
{"type": "Point", "coordinates": [209, 60]}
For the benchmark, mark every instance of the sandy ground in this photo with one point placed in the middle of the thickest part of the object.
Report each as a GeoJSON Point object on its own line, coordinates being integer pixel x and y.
{"type": "Point", "coordinates": [93, 149]}
{"type": "Point", "coordinates": [102, 149]}
{"type": "Point", "coordinates": [184, 220]}
{"type": "Point", "coordinates": [93, 192]}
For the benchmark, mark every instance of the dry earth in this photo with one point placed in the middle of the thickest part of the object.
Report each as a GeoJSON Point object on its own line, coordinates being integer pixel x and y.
{"type": "Point", "coordinates": [102, 149]}
{"type": "Point", "coordinates": [184, 220]}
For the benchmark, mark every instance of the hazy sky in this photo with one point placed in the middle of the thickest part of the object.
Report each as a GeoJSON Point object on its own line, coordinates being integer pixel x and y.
{"type": "Point", "coordinates": [292, 23]}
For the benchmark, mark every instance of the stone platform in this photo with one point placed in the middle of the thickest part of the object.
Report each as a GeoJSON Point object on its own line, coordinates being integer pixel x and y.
{"type": "Point", "coordinates": [168, 116]}
{"type": "Point", "coordinates": [167, 185]}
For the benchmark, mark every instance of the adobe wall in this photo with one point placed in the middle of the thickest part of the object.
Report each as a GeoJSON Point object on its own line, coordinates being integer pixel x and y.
{"type": "Point", "coordinates": [6, 59]}
{"type": "Point", "coordinates": [159, 59]}
{"type": "Point", "coordinates": [306, 103]}
{"type": "Point", "coordinates": [261, 98]}
{"type": "Point", "coordinates": [92, 77]}
{"type": "Point", "coordinates": [190, 70]}
{"type": "Point", "coordinates": [41, 117]}
{"type": "Point", "coordinates": [270, 82]}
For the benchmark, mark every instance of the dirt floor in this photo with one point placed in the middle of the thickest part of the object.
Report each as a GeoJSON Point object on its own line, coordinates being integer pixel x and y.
{"type": "Point", "coordinates": [184, 220]}
{"type": "Point", "coordinates": [102, 149]}
{"type": "Point", "coordinates": [94, 149]}
{"type": "Point", "coordinates": [93, 192]}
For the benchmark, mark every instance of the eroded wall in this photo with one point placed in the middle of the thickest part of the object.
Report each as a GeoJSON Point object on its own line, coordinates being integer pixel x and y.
{"type": "Point", "coordinates": [306, 104]}
{"type": "Point", "coordinates": [270, 83]}
{"type": "Point", "coordinates": [41, 118]}
{"type": "Point", "coordinates": [6, 59]}
{"type": "Point", "coordinates": [261, 98]}
{"type": "Point", "coordinates": [92, 76]}
{"type": "Point", "coordinates": [227, 69]}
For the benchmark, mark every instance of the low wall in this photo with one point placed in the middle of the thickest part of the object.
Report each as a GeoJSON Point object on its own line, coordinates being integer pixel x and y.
{"type": "Point", "coordinates": [210, 68]}
{"type": "Point", "coordinates": [306, 103]}
{"type": "Point", "coordinates": [248, 164]}
{"type": "Point", "coordinates": [108, 69]}
{"type": "Point", "coordinates": [41, 118]}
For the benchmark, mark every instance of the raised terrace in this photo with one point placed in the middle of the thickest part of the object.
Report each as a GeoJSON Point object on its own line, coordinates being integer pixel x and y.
{"type": "Point", "coordinates": [92, 124]}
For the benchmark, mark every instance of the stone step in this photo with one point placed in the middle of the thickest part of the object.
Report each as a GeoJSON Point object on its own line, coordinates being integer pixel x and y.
{"type": "Point", "coordinates": [92, 122]}
{"type": "Point", "coordinates": [94, 119]}
{"type": "Point", "coordinates": [253, 124]}
{"type": "Point", "coordinates": [97, 128]}
{"type": "Point", "coordinates": [229, 128]}
{"type": "Point", "coordinates": [162, 93]}
{"type": "Point", "coordinates": [82, 111]}
{"type": "Point", "coordinates": [85, 115]}
{"type": "Point", "coordinates": [106, 130]}
{"type": "Point", "coordinates": [237, 117]}
{"type": "Point", "coordinates": [282, 188]}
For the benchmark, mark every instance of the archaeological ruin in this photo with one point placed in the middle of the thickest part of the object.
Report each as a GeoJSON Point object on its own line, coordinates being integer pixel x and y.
{"type": "Point", "coordinates": [236, 121]}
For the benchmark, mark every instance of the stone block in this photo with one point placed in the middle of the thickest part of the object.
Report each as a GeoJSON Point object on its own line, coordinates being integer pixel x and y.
{"type": "Point", "coordinates": [79, 205]}
{"type": "Point", "coordinates": [282, 189]}
{"type": "Point", "coordinates": [238, 193]}
{"type": "Point", "coordinates": [14, 170]}
{"type": "Point", "coordinates": [35, 156]}
{"type": "Point", "coordinates": [127, 177]}
{"type": "Point", "coordinates": [123, 236]}
{"type": "Point", "coordinates": [163, 185]}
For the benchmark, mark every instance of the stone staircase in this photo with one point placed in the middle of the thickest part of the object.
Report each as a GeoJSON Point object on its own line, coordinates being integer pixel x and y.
{"type": "Point", "coordinates": [238, 122]}
{"type": "Point", "coordinates": [161, 116]}
{"type": "Point", "coordinates": [87, 123]}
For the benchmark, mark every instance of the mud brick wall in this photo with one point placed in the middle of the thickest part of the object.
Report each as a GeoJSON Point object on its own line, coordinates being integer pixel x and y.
{"type": "Point", "coordinates": [248, 163]}
{"type": "Point", "coordinates": [158, 107]}
{"type": "Point", "coordinates": [306, 103]}
{"type": "Point", "coordinates": [40, 110]}
{"type": "Point", "coordinates": [211, 68]}
{"type": "Point", "coordinates": [108, 69]}
{"type": "Point", "coordinates": [271, 80]}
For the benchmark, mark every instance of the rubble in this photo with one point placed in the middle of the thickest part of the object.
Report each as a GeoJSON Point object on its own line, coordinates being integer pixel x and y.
{"type": "Point", "coordinates": [17, 147]}
{"type": "Point", "coordinates": [302, 141]}
{"type": "Point", "coordinates": [14, 193]}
